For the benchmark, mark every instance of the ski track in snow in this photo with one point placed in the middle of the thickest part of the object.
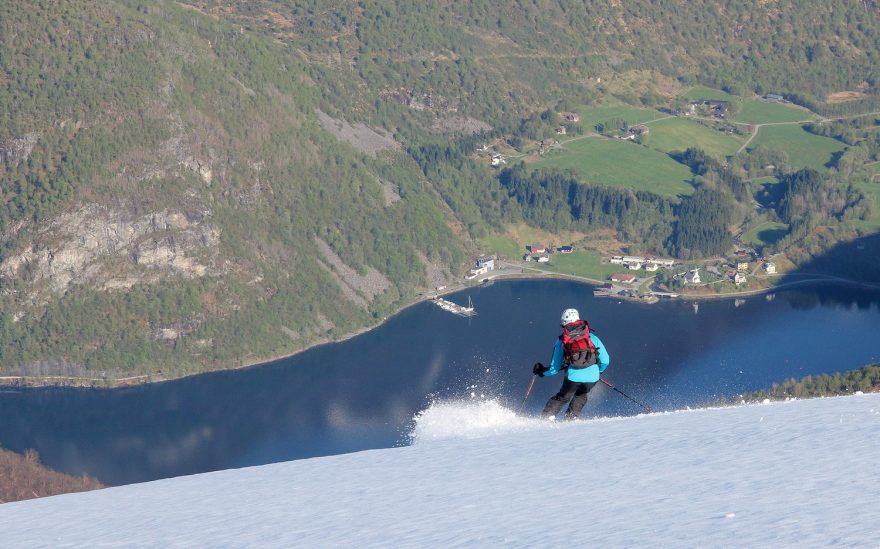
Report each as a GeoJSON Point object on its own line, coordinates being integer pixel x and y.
{"type": "Point", "coordinates": [799, 473]}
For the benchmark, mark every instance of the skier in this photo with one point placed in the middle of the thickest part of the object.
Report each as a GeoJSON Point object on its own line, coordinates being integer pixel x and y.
{"type": "Point", "coordinates": [583, 355]}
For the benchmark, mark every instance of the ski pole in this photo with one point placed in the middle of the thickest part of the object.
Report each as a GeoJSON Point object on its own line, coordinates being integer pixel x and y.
{"type": "Point", "coordinates": [528, 392]}
{"type": "Point", "coordinates": [646, 407]}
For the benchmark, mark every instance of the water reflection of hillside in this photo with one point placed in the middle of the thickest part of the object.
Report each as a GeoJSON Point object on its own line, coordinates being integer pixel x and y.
{"type": "Point", "coordinates": [857, 260]}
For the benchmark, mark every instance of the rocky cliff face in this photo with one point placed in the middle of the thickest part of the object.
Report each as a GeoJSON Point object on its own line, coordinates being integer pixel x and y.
{"type": "Point", "coordinates": [78, 248]}
{"type": "Point", "coordinates": [17, 150]}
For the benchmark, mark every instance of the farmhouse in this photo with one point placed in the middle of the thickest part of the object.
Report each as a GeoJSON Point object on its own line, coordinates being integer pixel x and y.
{"type": "Point", "coordinates": [565, 249]}
{"type": "Point", "coordinates": [623, 277]}
{"type": "Point", "coordinates": [651, 266]}
{"type": "Point", "coordinates": [770, 267]}
{"type": "Point", "coordinates": [739, 278]}
{"type": "Point", "coordinates": [719, 108]}
{"type": "Point", "coordinates": [498, 160]}
{"type": "Point", "coordinates": [561, 130]}
{"type": "Point", "coordinates": [742, 266]}
{"type": "Point", "coordinates": [639, 129]}
{"type": "Point", "coordinates": [773, 97]}
{"type": "Point", "coordinates": [543, 259]}
{"type": "Point", "coordinates": [537, 248]}
{"type": "Point", "coordinates": [634, 266]}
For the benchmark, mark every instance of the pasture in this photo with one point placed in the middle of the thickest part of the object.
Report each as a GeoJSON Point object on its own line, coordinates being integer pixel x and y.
{"type": "Point", "coordinates": [618, 163]}
{"type": "Point", "coordinates": [677, 134]}
{"type": "Point", "coordinates": [765, 234]}
{"type": "Point", "coordinates": [756, 111]}
{"type": "Point", "coordinates": [592, 116]}
{"type": "Point", "coordinates": [512, 244]}
{"type": "Point", "coordinates": [585, 263]}
{"type": "Point", "coordinates": [503, 246]}
{"type": "Point", "coordinates": [804, 149]}
{"type": "Point", "coordinates": [872, 189]}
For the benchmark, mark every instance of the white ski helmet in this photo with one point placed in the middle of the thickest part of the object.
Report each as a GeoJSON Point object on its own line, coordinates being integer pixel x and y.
{"type": "Point", "coordinates": [569, 316]}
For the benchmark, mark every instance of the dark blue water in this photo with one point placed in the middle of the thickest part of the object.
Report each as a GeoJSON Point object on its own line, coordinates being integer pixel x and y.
{"type": "Point", "coordinates": [363, 393]}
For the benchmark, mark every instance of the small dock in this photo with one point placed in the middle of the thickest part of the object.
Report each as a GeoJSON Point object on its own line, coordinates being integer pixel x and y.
{"type": "Point", "coordinates": [455, 308]}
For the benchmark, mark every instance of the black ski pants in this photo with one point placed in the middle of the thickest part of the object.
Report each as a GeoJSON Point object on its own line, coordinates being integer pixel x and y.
{"type": "Point", "coordinates": [574, 391]}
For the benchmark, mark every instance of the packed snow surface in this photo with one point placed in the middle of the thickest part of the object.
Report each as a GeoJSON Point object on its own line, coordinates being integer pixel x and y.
{"type": "Point", "coordinates": [795, 473]}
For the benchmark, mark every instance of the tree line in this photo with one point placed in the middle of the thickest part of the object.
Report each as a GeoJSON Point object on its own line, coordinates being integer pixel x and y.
{"type": "Point", "coordinates": [865, 379]}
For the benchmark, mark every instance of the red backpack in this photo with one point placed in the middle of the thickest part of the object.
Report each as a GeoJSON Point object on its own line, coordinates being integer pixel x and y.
{"type": "Point", "coordinates": [578, 348]}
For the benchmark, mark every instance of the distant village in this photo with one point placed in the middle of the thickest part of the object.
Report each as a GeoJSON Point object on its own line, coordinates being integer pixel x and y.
{"type": "Point", "coordinates": [737, 270]}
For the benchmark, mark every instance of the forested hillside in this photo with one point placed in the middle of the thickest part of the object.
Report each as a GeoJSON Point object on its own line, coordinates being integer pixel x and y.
{"type": "Point", "coordinates": [171, 201]}
{"type": "Point", "coordinates": [197, 185]}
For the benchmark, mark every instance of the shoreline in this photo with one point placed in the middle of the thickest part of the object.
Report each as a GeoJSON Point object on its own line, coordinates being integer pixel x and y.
{"type": "Point", "coordinates": [149, 379]}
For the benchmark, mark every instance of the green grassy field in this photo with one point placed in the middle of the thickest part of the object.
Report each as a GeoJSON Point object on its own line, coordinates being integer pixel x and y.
{"type": "Point", "coordinates": [702, 92]}
{"type": "Point", "coordinates": [586, 263]}
{"type": "Point", "coordinates": [765, 234]}
{"type": "Point", "coordinates": [804, 149]}
{"type": "Point", "coordinates": [873, 190]}
{"type": "Point", "coordinates": [755, 111]}
{"type": "Point", "coordinates": [768, 180]}
{"type": "Point", "coordinates": [622, 164]}
{"type": "Point", "coordinates": [503, 246]}
{"type": "Point", "coordinates": [677, 134]}
{"type": "Point", "coordinates": [591, 116]}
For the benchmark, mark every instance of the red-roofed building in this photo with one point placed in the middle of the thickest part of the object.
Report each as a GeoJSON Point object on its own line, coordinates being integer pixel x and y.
{"type": "Point", "coordinates": [537, 248]}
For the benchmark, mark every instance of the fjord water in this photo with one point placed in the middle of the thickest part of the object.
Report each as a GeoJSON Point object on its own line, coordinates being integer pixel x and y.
{"type": "Point", "coordinates": [362, 393]}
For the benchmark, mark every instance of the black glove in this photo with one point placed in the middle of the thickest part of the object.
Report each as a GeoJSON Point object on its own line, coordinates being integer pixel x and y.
{"type": "Point", "coordinates": [538, 369]}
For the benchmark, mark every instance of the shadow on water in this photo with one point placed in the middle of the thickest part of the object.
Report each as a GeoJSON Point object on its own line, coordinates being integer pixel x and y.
{"type": "Point", "coordinates": [363, 393]}
{"type": "Point", "coordinates": [856, 260]}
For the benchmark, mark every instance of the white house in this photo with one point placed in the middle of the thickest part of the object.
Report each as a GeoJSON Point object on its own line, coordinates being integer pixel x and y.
{"type": "Point", "coordinates": [662, 262]}
{"type": "Point", "coordinates": [474, 273]}
{"type": "Point", "coordinates": [692, 277]}
{"type": "Point", "coordinates": [770, 267]}
{"type": "Point", "coordinates": [634, 266]}
{"type": "Point", "coordinates": [623, 277]}
{"type": "Point", "coordinates": [543, 259]}
{"type": "Point", "coordinates": [617, 259]}
{"type": "Point", "coordinates": [651, 266]}
{"type": "Point", "coordinates": [739, 278]}
{"type": "Point", "coordinates": [487, 262]}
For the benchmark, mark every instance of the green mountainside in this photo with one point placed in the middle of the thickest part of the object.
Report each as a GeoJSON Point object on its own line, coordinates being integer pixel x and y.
{"type": "Point", "coordinates": [197, 185]}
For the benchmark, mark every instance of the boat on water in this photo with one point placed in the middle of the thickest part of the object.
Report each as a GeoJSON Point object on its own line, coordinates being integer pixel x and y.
{"type": "Point", "coordinates": [455, 308]}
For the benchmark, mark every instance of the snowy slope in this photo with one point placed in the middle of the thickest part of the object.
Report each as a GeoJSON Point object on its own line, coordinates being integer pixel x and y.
{"type": "Point", "coordinates": [796, 473]}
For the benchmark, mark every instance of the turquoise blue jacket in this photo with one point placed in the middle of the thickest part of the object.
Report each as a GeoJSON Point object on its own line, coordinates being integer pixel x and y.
{"type": "Point", "coordinates": [589, 374]}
